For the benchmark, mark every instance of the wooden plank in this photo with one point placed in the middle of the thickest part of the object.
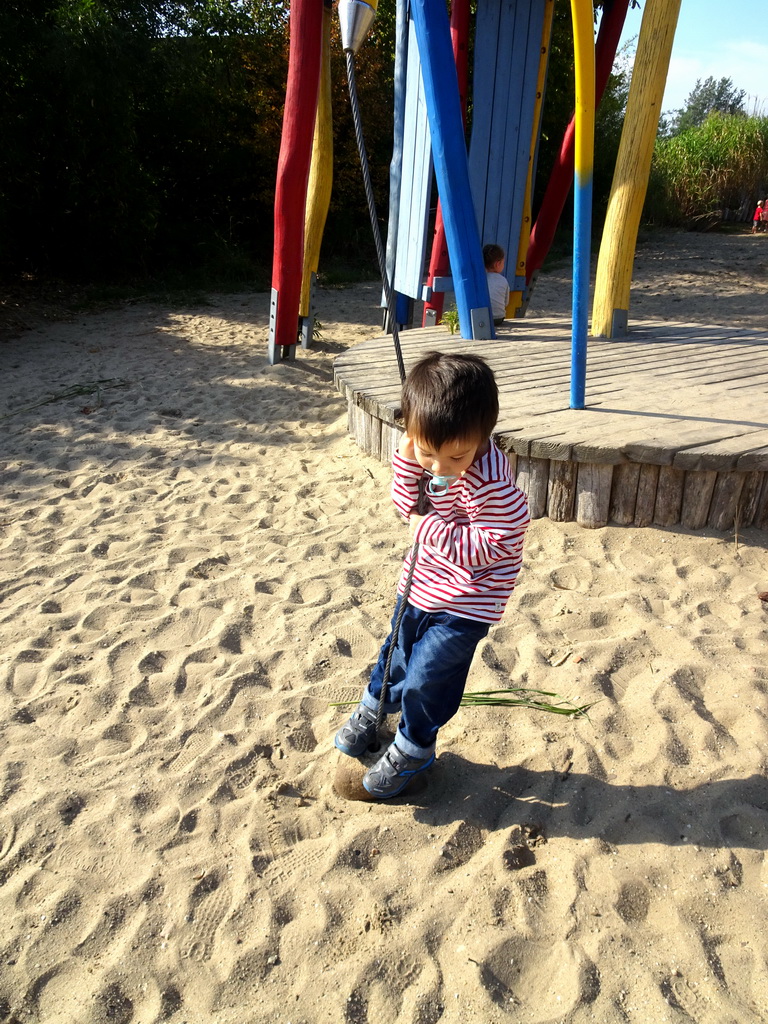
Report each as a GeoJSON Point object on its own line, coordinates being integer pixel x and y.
{"type": "Point", "coordinates": [669, 496]}
{"type": "Point", "coordinates": [561, 493]}
{"type": "Point", "coordinates": [416, 180]}
{"type": "Point", "coordinates": [505, 80]}
{"type": "Point", "coordinates": [538, 480]}
{"type": "Point", "coordinates": [624, 493]}
{"type": "Point", "coordinates": [720, 455]}
{"type": "Point", "coordinates": [390, 439]}
{"type": "Point", "coordinates": [532, 481]}
{"type": "Point", "coordinates": [398, 125]}
{"type": "Point", "coordinates": [761, 513]}
{"type": "Point", "coordinates": [590, 451]}
{"type": "Point", "coordinates": [757, 459]}
{"type": "Point", "coordinates": [663, 365]}
{"type": "Point", "coordinates": [494, 106]}
{"type": "Point", "coordinates": [725, 500]}
{"type": "Point", "coordinates": [518, 445]}
{"type": "Point", "coordinates": [386, 406]}
{"type": "Point", "coordinates": [646, 494]}
{"type": "Point", "coordinates": [697, 497]}
{"type": "Point", "coordinates": [487, 31]}
{"type": "Point", "coordinates": [358, 425]}
{"type": "Point", "coordinates": [613, 439]}
{"type": "Point", "coordinates": [551, 448]}
{"type": "Point", "coordinates": [503, 169]}
{"type": "Point", "coordinates": [741, 363]}
{"type": "Point", "coordinates": [593, 494]}
{"type": "Point", "coordinates": [520, 85]}
{"type": "Point", "coordinates": [371, 430]}
{"type": "Point", "coordinates": [747, 383]}
{"type": "Point", "coordinates": [524, 476]}
{"type": "Point", "coordinates": [749, 498]}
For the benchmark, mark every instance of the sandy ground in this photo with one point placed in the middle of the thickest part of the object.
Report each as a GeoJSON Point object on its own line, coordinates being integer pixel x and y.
{"type": "Point", "coordinates": [194, 565]}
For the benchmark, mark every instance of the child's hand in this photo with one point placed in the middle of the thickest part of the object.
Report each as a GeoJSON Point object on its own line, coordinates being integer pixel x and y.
{"type": "Point", "coordinates": [406, 449]}
{"type": "Point", "coordinates": [413, 521]}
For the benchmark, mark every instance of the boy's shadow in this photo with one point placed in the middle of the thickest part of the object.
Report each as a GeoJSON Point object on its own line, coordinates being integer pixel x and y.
{"type": "Point", "coordinates": [724, 813]}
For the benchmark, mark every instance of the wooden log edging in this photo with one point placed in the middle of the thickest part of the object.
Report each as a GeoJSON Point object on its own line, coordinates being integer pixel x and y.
{"type": "Point", "coordinates": [594, 494]}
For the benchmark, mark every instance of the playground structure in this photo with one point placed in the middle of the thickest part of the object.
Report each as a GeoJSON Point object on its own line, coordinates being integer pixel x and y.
{"type": "Point", "coordinates": [484, 190]}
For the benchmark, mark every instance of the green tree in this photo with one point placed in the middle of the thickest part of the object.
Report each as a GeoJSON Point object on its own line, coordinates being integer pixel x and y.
{"type": "Point", "coordinates": [712, 96]}
{"type": "Point", "coordinates": [137, 133]}
{"type": "Point", "coordinates": [707, 169]}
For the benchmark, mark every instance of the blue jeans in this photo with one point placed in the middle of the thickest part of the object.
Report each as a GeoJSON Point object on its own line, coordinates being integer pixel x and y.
{"type": "Point", "coordinates": [429, 669]}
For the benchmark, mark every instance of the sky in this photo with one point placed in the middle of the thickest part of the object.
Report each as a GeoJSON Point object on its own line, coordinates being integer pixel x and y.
{"type": "Point", "coordinates": [718, 38]}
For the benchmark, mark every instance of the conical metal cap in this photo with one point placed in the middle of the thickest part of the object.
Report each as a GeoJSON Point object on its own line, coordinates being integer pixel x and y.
{"type": "Point", "coordinates": [355, 20]}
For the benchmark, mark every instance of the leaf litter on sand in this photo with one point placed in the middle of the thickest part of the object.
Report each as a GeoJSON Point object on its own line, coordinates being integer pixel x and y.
{"type": "Point", "coordinates": [515, 697]}
{"type": "Point", "coordinates": [86, 388]}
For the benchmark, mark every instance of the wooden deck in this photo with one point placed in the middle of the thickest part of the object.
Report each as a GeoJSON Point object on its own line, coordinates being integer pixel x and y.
{"type": "Point", "coordinates": [675, 429]}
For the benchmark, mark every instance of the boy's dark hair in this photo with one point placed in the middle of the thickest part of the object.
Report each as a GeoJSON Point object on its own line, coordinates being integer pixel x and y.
{"type": "Point", "coordinates": [492, 253]}
{"type": "Point", "coordinates": [450, 397]}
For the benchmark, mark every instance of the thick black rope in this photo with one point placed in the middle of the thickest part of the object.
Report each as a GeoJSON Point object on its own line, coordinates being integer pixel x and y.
{"type": "Point", "coordinates": [390, 300]}
{"type": "Point", "coordinates": [380, 713]}
{"type": "Point", "coordinates": [388, 293]}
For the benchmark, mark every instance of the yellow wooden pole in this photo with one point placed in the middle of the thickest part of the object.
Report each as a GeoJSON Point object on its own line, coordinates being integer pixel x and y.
{"type": "Point", "coordinates": [320, 172]}
{"type": "Point", "coordinates": [610, 309]}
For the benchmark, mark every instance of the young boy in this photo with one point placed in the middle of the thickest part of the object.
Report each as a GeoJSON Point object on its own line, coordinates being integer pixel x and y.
{"type": "Point", "coordinates": [498, 286]}
{"type": "Point", "coordinates": [469, 553]}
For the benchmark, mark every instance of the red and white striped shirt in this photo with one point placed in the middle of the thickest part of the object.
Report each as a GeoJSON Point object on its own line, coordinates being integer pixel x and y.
{"type": "Point", "coordinates": [471, 542]}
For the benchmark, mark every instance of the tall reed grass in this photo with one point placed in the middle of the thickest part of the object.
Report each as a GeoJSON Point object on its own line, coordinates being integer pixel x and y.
{"type": "Point", "coordinates": [719, 165]}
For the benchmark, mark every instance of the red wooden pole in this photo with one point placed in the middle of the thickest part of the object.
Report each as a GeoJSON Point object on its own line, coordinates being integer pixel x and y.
{"type": "Point", "coordinates": [293, 170]}
{"type": "Point", "coordinates": [561, 176]}
{"type": "Point", "coordinates": [439, 264]}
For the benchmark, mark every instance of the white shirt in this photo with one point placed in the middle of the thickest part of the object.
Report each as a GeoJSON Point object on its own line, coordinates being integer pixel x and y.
{"type": "Point", "coordinates": [498, 287]}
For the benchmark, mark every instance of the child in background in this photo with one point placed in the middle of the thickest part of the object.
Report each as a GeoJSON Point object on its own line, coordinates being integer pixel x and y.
{"type": "Point", "coordinates": [498, 286]}
{"type": "Point", "coordinates": [469, 553]}
{"type": "Point", "coordinates": [757, 217]}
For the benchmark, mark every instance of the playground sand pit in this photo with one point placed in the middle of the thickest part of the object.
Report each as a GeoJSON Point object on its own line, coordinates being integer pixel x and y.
{"type": "Point", "coordinates": [196, 564]}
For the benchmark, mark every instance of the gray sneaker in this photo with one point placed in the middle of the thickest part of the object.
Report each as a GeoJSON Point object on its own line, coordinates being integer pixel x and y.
{"type": "Point", "coordinates": [358, 734]}
{"type": "Point", "coordinates": [393, 771]}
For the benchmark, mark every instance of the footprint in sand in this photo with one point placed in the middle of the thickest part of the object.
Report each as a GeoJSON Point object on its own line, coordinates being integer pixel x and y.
{"type": "Point", "coordinates": [7, 841]}
{"type": "Point", "coordinates": [539, 980]}
{"type": "Point", "coordinates": [310, 592]}
{"type": "Point", "coordinates": [26, 675]}
{"type": "Point", "coordinates": [242, 772]}
{"type": "Point", "coordinates": [85, 858]}
{"type": "Point", "coordinates": [208, 905]}
{"type": "Point", "coordinates": [633, 902]}
{"type": "Point", "coordinates": [194, 745]}
{"type": "Point", "coordinates": [286, 850]}
{"type": "Point", "coordinates": [406, 989]}
{"type": "Point", "coordinates": [301, 738]}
